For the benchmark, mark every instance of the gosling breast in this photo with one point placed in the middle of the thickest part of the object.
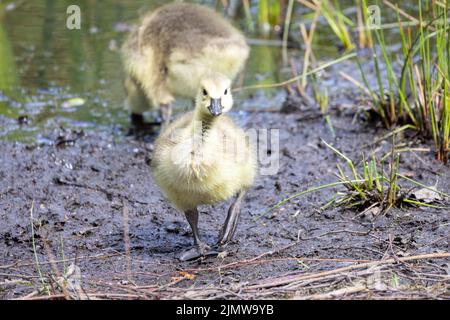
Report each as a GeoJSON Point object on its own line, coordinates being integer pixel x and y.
{"type": "Point", "coordinates": [193, 170]}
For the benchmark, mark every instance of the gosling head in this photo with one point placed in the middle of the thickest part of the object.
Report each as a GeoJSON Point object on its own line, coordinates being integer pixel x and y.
{"type": "Point", "coordinates": [214, 95]}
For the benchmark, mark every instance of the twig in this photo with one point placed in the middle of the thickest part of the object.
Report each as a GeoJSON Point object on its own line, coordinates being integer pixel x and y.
{"type": "Point", "coordinates": [333, 294]}
{"type": "Point", "coordinates": [285, 280]}
{"type": "Point", "coordinates": [107, 193]}
{"type": "Point", "coordinates": [33, 242]}
{"type": "Point", "coordinates": [48, 297]}
{"type": "Point", "coordinates": [59, 280]}
{"type": "Point", "coordinates": [23, 276]}
{"type": "Point", "coordinates": [126, 237]}
{"type": "Point", "coordinates": [258, 260]}
{"type": "Point", "coordinates": [116, 295]}
{"type": "Point", "coordinates": [308, 4]}
{"type": "Point", "coordinates": [362, 233]}
{"type": "Point", "coordinates": [403, 13]}
{"type": "Point", "coordinates": [18, 265]}
{"type": "Point", "coordinates": [269, 253]}
{"type": "Point", "coordinates": [348, 77]}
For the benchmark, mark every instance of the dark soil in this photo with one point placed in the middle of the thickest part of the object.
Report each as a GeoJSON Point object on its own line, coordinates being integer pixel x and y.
{"type": "Point", "coordinates": [79, 186]}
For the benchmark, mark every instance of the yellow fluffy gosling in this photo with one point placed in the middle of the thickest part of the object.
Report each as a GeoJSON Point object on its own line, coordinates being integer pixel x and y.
{"type": "Point", "coordinates": [204, 158]}
{"type": "Point", "coordinates": [167, 54]}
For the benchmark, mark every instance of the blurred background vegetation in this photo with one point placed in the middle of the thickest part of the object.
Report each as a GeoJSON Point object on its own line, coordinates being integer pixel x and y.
{"type": "Point", "coordinates": [52, 76]}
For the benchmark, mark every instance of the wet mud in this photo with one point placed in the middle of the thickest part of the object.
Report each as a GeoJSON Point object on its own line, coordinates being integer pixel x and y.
{"type": "Point", "coordinates": [93, 203]}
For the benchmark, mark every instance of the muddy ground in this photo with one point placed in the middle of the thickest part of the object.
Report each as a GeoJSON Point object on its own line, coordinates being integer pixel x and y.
{"type": "Point", "coordinates": [78, 185]}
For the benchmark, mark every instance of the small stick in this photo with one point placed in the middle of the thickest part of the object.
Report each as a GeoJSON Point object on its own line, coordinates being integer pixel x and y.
{"type": "Point", "coordinates": [17, 265]}
{"type": "Point", "coordinates": [49, 297]}
{"type": "Point", "coordinates": [354, 81]}
{"type": "Point", "coordinates": [55, 270]}
{"type": "Point", "coordinates": [281, 281]}
{"type": "Point", "coordinates": [308, 4]}
{"type": "Point", "coordinates": [98, 189]}
{"type": "Point", "coordinates": [361, 233]}
{"type": "Point", "coordinates": [126, 237]}
{"type": "Point", "coordinates": [333, 294]}
{"type": "Point", "coordinates": [403, 13]}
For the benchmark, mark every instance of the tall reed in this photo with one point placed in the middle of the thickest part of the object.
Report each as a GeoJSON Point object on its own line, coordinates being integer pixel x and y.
{"type": "Point", "coordinates": [419, 95]}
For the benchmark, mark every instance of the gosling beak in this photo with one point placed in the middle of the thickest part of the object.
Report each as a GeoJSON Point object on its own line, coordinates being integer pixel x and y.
{"type": "Point", "coordinates": [215, 107]}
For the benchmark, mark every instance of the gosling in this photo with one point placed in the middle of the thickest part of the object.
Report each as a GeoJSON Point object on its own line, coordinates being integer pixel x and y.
{"type": "Point", "coordinates": [204, 158]}
{"type": "Point", "coordinates": [173, 47]}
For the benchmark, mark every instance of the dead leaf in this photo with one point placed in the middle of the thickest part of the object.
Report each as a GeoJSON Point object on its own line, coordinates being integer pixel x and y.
{"type": "Point", "coordinates": [427, 195]}
{"type": "Point", "coordinates": [72, 103]}
{"type": "Point", "coordinates": [371, 212]}
{"type": "Point", "coordinates": [222, 255]}
{"type": "Point", "coordinates": [187, 275]}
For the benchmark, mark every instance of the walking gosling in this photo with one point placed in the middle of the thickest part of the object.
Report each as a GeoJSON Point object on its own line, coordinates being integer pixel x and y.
{"type": "Point", "coordinates": [173, 47]}
{"type": "Point", "coordinates": [204, 158]}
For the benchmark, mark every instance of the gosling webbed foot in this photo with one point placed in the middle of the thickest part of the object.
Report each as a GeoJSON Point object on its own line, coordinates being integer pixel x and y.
{"type": "Point", "coordinates": [137, 119]}
{"type": "Point", "coordinates": [200, 248]}
{"type": "Point", "coordinates": [198, 251]}
{"type": "Point", "coordinates": [140, 128]}
{"type": "Point", "coordinates": [190, 254]}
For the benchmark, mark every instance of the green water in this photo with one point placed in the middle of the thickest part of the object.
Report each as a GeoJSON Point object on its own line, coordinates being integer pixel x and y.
{"type": "Point", "coordinates": [44, 66]}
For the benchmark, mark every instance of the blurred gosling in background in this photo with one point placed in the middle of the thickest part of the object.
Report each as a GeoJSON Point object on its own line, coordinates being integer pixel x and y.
{"type": "Point", "coordinates": [166, 56]}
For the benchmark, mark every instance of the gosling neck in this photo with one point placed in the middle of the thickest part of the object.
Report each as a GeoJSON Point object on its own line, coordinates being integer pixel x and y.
{"type": "Point", "coordinates": [204, 119]}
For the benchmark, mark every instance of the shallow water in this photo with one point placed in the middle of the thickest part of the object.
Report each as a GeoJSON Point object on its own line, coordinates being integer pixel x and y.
{"type": "Point", "coordinates": [51, 76]}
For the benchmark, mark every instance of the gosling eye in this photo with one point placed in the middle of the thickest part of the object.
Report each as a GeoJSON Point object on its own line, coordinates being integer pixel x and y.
{"type": "Point", "coordinates": [204, 92]}
{"type": "Point", "coordinates": [226, 91]}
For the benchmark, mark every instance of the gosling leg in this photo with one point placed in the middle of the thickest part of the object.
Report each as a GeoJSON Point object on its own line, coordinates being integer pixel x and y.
{"type": "Point", "coordinates": [137, 119]}
{"type": "Point", "coordinates": [139, 128]}
{"type": "Point", "coordinates": [229, 227]}
{"type": "Point", "coordinates": [137, 102]}
{"type": "Point", "coordinates": [166, 114]}
{"type": "Point", "coordinates": [200, 248]}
